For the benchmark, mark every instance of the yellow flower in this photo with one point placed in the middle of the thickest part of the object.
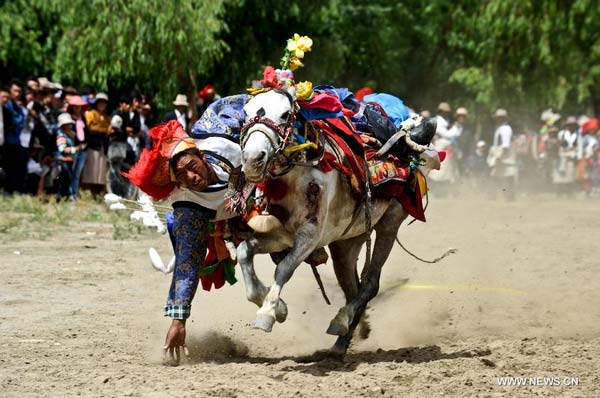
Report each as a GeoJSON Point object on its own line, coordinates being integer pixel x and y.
{"type": "Point", "coordinates": [299, 45]}
{"type": "Point", "coordinates": [294, 64]}
{"type": "Point", "coordinates": [304, 90]}
{"type": "Point", "coordinates": [303, 43]}
{"type": "Point", "coordinates": [291, 45]}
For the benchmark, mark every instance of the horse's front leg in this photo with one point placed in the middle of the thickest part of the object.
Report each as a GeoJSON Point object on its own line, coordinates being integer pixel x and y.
{"type": "Point", "coordinates": [306, 242]}
{"type": "Point", "coordinates": [256, 291]}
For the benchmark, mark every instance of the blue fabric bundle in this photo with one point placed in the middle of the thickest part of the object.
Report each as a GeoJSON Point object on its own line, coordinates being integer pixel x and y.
{"type": "Point", "coordinates": [225, 116]}
{"type": "Point", "coordinates": [393, 106]}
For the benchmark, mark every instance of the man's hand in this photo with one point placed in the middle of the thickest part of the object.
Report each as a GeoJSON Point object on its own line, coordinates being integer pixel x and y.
{"type": "Point", "coordinates": [174, 342]}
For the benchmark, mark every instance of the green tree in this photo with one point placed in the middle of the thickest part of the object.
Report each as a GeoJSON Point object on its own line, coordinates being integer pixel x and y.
{"type": "Point", "coordinates": [162, 47]}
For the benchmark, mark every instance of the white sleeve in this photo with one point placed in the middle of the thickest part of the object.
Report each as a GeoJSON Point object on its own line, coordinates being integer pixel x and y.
{"type": "Point", "coordinates": [505, 136]}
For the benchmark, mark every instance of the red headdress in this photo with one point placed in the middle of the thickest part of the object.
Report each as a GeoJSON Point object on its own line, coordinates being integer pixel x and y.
{"type": "Point", "coordinates": [152, 172]}
{"type": "Point", "coordinates": [206, 92]}
{"type": "Point", "coordinates": [590, 126]}
{"type": "Point", "coordinates": [363, 92]}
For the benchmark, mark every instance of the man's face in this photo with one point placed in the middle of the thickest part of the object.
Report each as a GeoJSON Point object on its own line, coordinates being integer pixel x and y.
{"type": "Point", "coordinates": [182, 109]}
{"type": "Point", "coordinates": [460, 119]}
{"type": "Point", "coordinates": [191, 171]}
{"type": "Point", "coordinates": [135, 103]}
{"type": "Point", "coordinates": [15, 92]}
{"type": "Point", "coordinates": [101, 106]}
{"type": "Point", "coordinates": [4, 97]}
{"type": "Point", "coordinates": [124, 107]}
{"type": "Point", "coordinates": [33, 85]}
{"type": "Point", "coordinates": [29, 97]}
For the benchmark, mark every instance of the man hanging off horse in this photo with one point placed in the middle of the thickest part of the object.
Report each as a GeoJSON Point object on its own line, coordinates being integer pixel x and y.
{"type": "Point", "coordinates": [192, 172]}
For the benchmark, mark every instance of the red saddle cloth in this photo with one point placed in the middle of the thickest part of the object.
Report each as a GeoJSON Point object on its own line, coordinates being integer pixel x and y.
{"type": "Point", "coordinates": [389, 178]}
{"type": "Point", "coordinates": [351, 160]}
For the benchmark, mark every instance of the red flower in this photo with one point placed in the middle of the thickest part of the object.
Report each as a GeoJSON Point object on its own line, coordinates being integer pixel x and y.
{"type": "Point", "coordinates": [270, 78]}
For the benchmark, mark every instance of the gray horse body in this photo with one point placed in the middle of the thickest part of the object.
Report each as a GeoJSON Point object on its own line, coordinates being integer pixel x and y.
{"type": "Point", "coordinates": [321, 207]}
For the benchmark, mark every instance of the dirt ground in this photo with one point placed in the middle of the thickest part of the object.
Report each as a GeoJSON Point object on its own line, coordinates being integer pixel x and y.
{"type": "Point", "coordinates": [81, 315]}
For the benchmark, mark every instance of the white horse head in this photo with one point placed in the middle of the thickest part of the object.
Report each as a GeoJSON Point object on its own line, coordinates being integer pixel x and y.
{"type": "Point", "coordinates": [268, 118]}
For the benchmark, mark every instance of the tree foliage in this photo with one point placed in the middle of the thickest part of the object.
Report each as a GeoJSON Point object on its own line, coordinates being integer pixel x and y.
{"type": "Point", "coordinates": [511, 53]}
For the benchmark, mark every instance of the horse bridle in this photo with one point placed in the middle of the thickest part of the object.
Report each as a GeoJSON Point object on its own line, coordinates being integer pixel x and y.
{"type": "Point", "coordinates": [283, 132]}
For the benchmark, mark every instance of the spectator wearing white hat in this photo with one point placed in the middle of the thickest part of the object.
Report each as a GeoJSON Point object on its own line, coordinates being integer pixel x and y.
{"type": "Point", "coordinates": [180, 113]}
{"type": "Point", "coordinates": [462, 137]}
{"type": "Point", "coordinates": [68, 145]}
{"type": "Point", "coordinates": [444, 140]}
{"type": "Point", "coordinates": [502, 156]}
{"type": "Point", "coordinates": [444, 111]}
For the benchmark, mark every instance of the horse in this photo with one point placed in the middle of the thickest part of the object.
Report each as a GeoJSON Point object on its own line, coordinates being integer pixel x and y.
{"type": "Point", "coordinates": [322, 212]}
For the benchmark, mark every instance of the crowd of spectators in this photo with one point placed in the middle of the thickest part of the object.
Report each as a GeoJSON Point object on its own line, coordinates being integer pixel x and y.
{"type": "Point", "coordinates": [561, 155]}
{"type": "Point", "coordinates": [55, 140]}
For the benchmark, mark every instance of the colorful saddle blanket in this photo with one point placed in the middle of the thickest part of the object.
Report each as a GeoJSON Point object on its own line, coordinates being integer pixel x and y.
{"type": "Point", "coordinates": [388, 178]}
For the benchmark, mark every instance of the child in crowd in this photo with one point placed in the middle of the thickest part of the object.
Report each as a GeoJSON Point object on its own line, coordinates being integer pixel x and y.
{"type": "Point", "coordinates": [68, 146]}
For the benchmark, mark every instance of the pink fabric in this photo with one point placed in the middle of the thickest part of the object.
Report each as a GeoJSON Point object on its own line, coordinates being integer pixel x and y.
{"type": "Point", "coordinates": [79, 129]}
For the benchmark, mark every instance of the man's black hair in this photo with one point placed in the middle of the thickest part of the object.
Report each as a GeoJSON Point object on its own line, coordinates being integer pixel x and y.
{"type": "Point", "coordinates": [16, 82]}
{"type": "Point", "coordinates": [135, 94]}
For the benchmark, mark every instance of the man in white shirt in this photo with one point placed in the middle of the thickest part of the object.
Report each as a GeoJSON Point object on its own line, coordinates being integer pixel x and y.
{"type": "Point", "coordinates": [502, 156]}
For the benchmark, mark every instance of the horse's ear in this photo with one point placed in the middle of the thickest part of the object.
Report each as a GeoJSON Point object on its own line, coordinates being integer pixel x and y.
{"type": "Point", "coordinates": [289, 87]}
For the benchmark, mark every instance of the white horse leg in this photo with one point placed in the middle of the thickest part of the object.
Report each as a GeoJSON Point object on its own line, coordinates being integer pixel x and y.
{"type": "Point", "coordinates": [255, 289]}
{"type": "Point", "coordinates": [306, 242]}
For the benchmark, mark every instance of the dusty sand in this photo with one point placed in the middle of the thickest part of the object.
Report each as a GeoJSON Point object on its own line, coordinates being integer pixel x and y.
{"type": "Point", "coordinates": [81, 315]}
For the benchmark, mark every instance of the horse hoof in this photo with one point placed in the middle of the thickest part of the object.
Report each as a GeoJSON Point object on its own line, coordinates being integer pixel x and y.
{"type": "Point", "coordinates": [264, 322]}
{"type": "Point", "coordinates": [281, 311]}
{"type": "Point", "coordinates": [337, 329]}
{"type": "Point", "coordinates": [337, 352]}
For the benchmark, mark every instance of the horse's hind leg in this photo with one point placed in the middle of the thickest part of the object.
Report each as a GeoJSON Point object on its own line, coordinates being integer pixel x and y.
{"type": "Point", "coordinates": [344, 255]}
{"type": "Point", "coordinates": [386, 230]}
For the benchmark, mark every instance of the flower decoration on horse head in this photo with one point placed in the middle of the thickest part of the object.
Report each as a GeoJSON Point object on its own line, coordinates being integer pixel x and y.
{"type": "Point", "coordinates": [294, 51]}
{"type": "Point", "coordinates": [283, 78]}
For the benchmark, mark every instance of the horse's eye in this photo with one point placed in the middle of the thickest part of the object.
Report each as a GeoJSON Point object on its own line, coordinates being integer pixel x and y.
{"type": "Point", "coordinates": [285, 115]}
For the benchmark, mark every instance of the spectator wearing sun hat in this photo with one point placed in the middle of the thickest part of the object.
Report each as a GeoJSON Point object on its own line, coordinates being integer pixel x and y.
{"type": "Point", "coordinates": [443, 118]}
{"type": "Point", "coordinates": [180, 113]}
{"type": "Point", "coordinates": [77, 106]}
{"type": "Point", "coordinates": [462, 137]}
{"type": "Point", "coordinates": [564, 171]}
{"type": "Point", "coordinates": [68, 146]}
{"type": "Point", "coordinates": [444, 140]}
{"type": "Point", "coordinates": [502, 156]}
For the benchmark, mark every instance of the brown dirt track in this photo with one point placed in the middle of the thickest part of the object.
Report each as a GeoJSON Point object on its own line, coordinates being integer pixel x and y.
{"type": "Point", "coordinates": [80, 315]}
